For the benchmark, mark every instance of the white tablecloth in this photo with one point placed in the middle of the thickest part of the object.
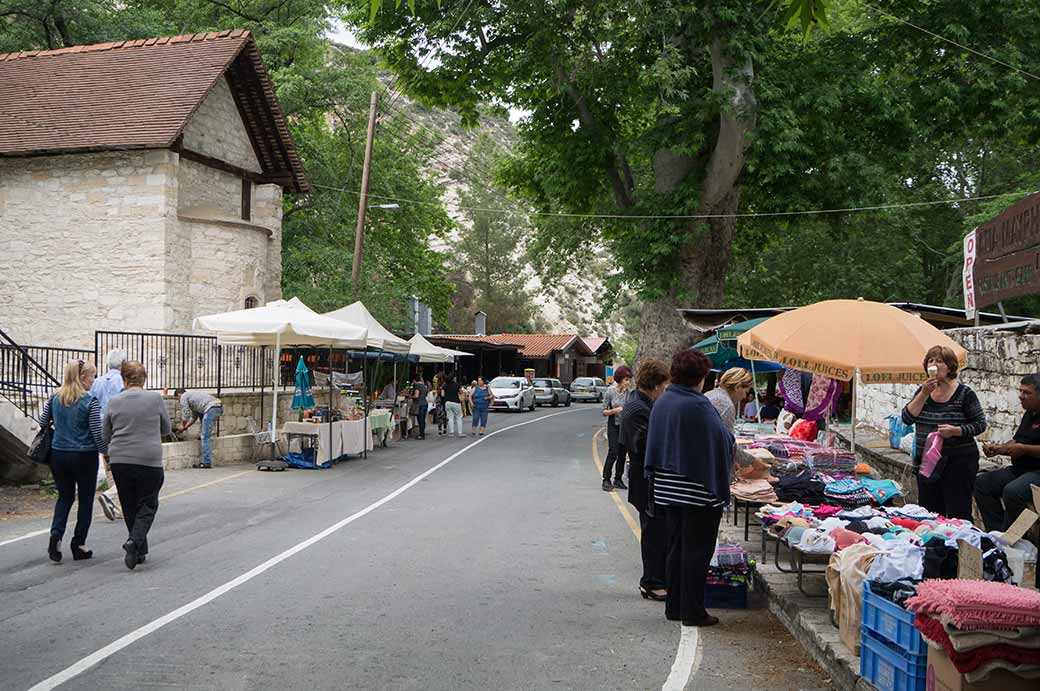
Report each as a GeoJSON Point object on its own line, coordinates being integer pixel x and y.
{"type": "Point", "coordinates": [335, 440]}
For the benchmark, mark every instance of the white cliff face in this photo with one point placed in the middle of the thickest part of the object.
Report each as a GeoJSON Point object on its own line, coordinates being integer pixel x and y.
{"type": "Point", "coordinates": [569, 305]}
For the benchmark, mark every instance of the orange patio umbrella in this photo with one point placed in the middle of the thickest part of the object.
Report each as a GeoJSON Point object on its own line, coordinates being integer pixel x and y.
{"type": "Point", "coordinates": [844, 339]}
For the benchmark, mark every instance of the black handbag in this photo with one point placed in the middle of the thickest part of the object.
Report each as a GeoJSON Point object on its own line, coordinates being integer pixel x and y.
{"type": "Point", "coordinates": [40, 449]}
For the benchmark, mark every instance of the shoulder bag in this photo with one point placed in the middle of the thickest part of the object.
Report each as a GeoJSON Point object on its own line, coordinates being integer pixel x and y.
{"type": "Point", "coordinates": [40, 449]}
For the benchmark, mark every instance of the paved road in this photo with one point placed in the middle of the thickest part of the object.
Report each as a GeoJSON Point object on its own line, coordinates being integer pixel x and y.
{"type": "Point", "coordinates": [443, 564]}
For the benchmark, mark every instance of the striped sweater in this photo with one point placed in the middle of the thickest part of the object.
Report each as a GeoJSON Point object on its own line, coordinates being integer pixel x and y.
{"type": "Point", "coordinates": [670, 489]}
{"type": "Point", "coordinates": [962, 410]}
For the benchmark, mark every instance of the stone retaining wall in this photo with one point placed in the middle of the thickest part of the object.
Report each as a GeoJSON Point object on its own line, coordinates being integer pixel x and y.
{"type": "Point", "coordinates": [240, 406]}
{"type": "Point", "coordinates": [997, 361]}
{"type": "Point", "coordinates": [235, 448]}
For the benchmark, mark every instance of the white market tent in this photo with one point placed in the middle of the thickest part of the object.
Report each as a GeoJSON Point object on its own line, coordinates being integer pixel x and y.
{"type": "Point", "coordinates": [278, 323]}
{"type": "Point", "coordinates": [427, 352]}
{"type": "Point", "coordinates": [379, 337]}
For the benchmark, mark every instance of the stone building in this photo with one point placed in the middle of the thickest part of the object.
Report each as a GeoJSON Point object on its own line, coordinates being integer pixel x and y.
{"type": "Point", "coordinates": [141, 185]}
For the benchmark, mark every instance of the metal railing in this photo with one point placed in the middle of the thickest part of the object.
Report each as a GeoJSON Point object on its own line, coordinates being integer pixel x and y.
{"type": "Point", "coordinates": [188, 361]}
{"type": "Point", "coordinates": [28, 374]}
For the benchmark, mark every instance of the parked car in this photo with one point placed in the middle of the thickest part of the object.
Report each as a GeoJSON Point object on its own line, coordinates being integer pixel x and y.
{"type": "Point", "coordinates": [512, 393]}
{"type": "Point", "coordinates": [588, 389]}
{"type": "Point", "coordinates": [551, 392]}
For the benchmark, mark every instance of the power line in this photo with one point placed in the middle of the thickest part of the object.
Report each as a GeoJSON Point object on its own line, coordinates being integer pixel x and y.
{"type": "Point", "coordinates": [952, 42]}
{"type": "Point", "coordinates": [690, 217]}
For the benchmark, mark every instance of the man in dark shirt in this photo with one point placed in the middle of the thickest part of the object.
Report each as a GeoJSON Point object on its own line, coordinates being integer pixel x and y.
{"type": "Point", "coordinates": [419, 404]}
{"type": "Point", "coordinates": [1011, 484]}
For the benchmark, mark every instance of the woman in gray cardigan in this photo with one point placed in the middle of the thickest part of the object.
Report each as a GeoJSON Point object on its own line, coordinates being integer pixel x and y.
{"type": "Point", "coordinates": [135, 422]}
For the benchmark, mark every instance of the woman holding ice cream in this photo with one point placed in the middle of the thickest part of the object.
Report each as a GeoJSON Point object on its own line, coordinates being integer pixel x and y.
{"type": "Point", "coordinates": [953, 410]}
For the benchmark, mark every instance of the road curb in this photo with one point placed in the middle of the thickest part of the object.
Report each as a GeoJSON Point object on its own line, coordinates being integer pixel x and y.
{"type": "Point", "coordinates": [807, 618]}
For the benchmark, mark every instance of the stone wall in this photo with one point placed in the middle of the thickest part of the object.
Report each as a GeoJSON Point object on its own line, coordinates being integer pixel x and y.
{"type": "Point", "coordinates": [997, 360]}
{"type": "Point", "coordinates": [240, 406]}
{"type": "Point", "coordinates": [83, 242]}
{"type": "Point", "coordinates": [216, 130]}
{"type": "Point", "coordinates": [226, 450]}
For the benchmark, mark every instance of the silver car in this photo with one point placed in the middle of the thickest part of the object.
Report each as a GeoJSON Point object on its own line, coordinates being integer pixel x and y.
{"type": "Point", "coordinates": [551, 392]}
{"type": "Point", "coordinates": [588, 389]}
{"type": "Point", "coordinates": [512, 393]}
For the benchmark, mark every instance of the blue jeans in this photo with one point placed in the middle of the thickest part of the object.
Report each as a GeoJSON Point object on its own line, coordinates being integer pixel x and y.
{"type": "Point", "coordinates": [74, 472]}
{"type": "Point", "coordinates": [480, 416]}
{"type": "Point", "coordinates": [207, 431]}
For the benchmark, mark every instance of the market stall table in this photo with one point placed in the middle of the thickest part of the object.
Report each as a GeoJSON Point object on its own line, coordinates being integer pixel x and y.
{"type": "Point", "coordinates": [381, 422]}
{"type": "Point", "coordinates": [333, 440]}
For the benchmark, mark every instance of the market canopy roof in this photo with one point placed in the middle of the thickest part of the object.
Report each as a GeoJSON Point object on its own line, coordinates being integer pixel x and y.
{"type": "Point", "coordinates": [378, 336]}
{"type": "Point", "coordinates": [837, 337]}
{"type": "Point", "coordinates": [282, 322]}
{"type": "Point", "coordinates": [427, 352]}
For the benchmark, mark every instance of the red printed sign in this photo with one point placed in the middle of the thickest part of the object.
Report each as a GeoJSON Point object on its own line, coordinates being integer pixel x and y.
{"type": "Point", "coordinates": [968, 273]}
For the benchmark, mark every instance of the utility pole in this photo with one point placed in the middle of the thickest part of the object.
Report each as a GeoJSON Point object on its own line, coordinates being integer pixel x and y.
{"type": "Point", "coordinates": [359, 232]}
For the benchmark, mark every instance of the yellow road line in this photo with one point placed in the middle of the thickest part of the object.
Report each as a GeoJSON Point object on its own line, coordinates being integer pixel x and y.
{"type": "Point", "coordinates": [618, 501]}
{"type": "Point", "coordinates": [205, 484]}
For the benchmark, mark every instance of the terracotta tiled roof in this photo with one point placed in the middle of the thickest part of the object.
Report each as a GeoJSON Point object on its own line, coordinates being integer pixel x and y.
{"type": "Point", "coordinates": [139, 95]}
{"type": "Point", "coordinates": [543, 345]}
{"type": "Point", "coordinates": [494, 341]}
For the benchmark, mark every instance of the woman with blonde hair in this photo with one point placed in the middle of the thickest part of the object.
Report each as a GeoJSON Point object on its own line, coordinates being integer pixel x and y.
{"type": "Point", "coordinates": [77, 440]}
{"type": "Point", "coordinates": [135, 422]}
{"type": "Point", "coordinates": [730, 391]}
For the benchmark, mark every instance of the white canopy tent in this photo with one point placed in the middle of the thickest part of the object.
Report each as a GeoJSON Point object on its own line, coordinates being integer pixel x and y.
{"type": "Point", "coordinates": [278, 323]}
{"type": "Point", "coordinates": [379, 337]}
{"type": "Point", "coordinates": [427, 352]}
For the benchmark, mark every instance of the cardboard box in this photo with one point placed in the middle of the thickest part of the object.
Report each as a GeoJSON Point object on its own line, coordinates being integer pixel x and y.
{"type": "Point", "coordinates": [943, 676]}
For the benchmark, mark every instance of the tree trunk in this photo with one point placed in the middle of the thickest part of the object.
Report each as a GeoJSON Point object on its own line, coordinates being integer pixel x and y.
{"type": "Point", "coordinates": [705, 257]}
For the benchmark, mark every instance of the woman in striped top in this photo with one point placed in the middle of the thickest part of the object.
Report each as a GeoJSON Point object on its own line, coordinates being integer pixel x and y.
{"type": "Point", "coordinates": [952, 409]}
{"type": "Point", "coordinates": [77, 440]}
{"type": "Point", "coordinates": [689, 452]}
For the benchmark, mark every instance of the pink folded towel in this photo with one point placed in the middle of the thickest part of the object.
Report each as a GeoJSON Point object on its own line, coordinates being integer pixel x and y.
{"type": "Point", "coordinates": [978, 604]}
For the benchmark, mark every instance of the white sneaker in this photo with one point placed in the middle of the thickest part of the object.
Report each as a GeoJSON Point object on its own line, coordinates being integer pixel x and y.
{"type": "Point", "coordinates": [108, 506]}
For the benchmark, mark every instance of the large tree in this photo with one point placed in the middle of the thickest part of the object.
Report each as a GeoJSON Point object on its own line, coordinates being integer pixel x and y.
{"type": "Point", "coordinates": [640, 109]}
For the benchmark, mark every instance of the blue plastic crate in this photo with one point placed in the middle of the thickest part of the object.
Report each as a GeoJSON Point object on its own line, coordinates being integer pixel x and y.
{"type": "Point", "coordinates": [891, 623]}
{"type": "Point", "coordinates": [888, 669]}
{"type": "Point", "coordinates": [725, 596]}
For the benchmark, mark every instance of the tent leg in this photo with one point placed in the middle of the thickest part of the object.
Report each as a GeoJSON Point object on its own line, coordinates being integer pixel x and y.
{"type": "Point", "coordinates": [364, 410]}
{"type": "Point", "coordinates": [318, 460]}
{"type": "Point", "coordinates": [274, 387]}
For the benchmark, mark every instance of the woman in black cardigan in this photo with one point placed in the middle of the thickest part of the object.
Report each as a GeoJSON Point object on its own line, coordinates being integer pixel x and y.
{"type": "Point", "coordinates": [651, 380]}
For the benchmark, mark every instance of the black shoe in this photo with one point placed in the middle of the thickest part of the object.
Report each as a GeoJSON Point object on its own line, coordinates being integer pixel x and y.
{"type": "Point", "coordinates": [706, 620]}
{"type": "Point", "coordinates": [141, 558]}
{"type": "Point", "coordinates": [52, 549]}
{"type": "Point", "coordinates": [607, 487]}
{"type": "Point", "coordinates": [651, 595]}
{"type": "Point", "coordinates": [620, 484]}
{"type": "Point", "coordinates": [79, 553]}
{"type": "Point", "coordinates": [131, 559]}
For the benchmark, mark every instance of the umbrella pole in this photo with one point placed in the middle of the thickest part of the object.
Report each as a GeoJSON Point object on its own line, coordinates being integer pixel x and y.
{"type": "Point", "coordinates": [754, 390]}
{"type": "Point", "coordinates": [855, 395]}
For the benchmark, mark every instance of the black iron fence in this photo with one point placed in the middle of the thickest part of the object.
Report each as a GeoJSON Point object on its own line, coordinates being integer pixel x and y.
{"type": "Point", "coordinates": [29, 373]}
{"type": "Point", "coordinates": [187, 361]}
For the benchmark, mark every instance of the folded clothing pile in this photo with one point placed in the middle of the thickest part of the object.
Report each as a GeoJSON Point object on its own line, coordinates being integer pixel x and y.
{"type": "Point", "coordinates": [981, 625]}
{"type": "Point", "coordinates": [804, 486]}
{"type": "Point", "coordinates": [730, 566]}
{"type": "Point", "coordinates": [831, 460]}
{"type": "Point", "coordinates": [847, 492]}
{"type": "Point", "coordinates": [752, 490]}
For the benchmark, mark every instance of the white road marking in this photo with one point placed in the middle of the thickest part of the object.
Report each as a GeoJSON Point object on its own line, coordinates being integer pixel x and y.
{"type": "Point", "coordinates": [26, 536]}
{"type": "Point", "coordinates": [117, 645]}
{"type": "Point", "coordinates": [687, 660]}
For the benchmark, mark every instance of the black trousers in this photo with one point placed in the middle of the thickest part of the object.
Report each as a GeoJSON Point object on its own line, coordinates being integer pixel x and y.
{"type": "Point", "coordinates": [74, 472]}
{"type": "Point", "coordinates": [692, 533]}
{"type": "Point", "coordinates": [615, 453]}
{"type": "Point", "coordinates": [1003, 494]}
{"type": "Point", "coordinates": [653, 542]}
{"type": "Point", "coordinates": [138, 487]}
{"type": "Point", "coordinates": [951, 494]}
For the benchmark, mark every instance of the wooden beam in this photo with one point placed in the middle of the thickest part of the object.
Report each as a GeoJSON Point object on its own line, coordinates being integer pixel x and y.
{"type": "Point", "coordinates": [218, 164]}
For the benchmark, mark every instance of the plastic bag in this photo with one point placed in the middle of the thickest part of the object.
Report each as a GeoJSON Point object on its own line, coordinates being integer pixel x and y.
{"type": "Point", "coordinates": [897, 429]}
{"type": "Point", "coordinates": [932, 454]}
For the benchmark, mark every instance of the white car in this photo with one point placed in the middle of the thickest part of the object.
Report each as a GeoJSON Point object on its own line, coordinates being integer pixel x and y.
{"type": "Point", "coordinates": [512, 393]}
